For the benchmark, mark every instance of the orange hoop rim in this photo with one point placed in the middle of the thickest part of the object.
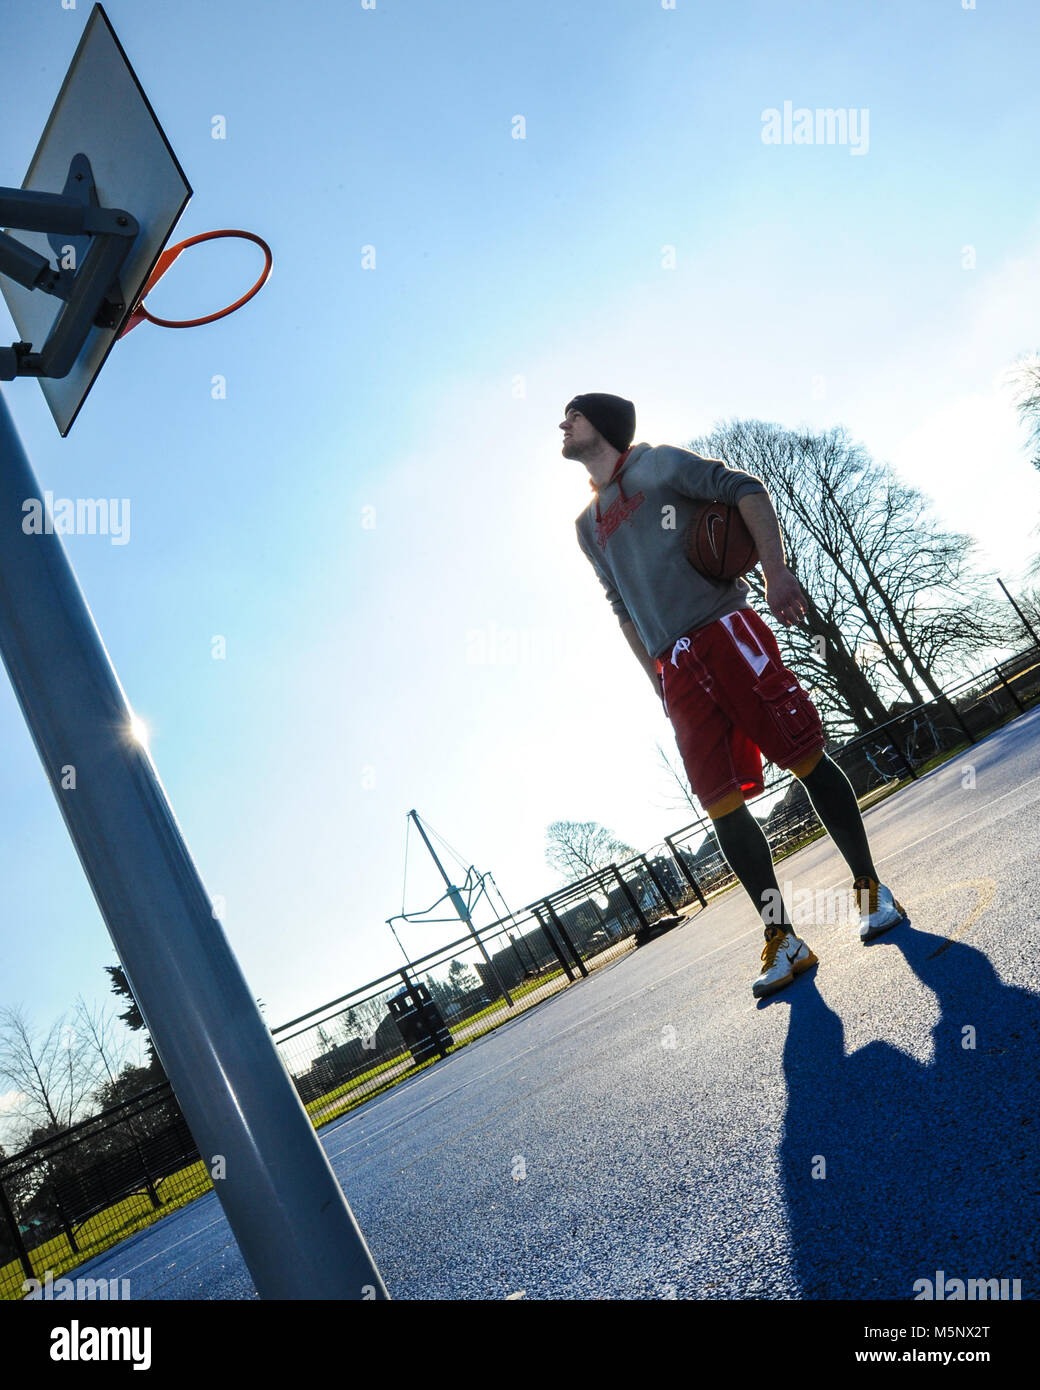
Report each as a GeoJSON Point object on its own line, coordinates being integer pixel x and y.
{"type": "Point", "coordinates": [170, 255]}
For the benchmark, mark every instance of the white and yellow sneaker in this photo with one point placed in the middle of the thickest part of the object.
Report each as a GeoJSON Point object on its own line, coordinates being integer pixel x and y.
{"type": "Point", "coordinates": [878, 909]}
{"type": "Point", "coordinates": [784, 957]}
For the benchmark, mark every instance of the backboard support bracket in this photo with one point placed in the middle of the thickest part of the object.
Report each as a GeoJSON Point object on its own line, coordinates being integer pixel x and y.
{"type": "Point", "coordinates": [96, 239]}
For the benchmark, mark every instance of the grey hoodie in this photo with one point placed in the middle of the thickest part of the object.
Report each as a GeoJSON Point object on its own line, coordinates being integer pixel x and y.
{"type": "Point", "coordinates": [633, 531]}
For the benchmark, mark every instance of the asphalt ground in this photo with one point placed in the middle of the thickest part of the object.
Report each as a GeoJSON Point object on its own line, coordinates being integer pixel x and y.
{"type": "Point", "coordinates": [654, 1132]}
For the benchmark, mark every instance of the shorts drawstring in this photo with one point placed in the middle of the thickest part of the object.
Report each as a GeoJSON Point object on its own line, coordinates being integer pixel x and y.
{"type": "Point", "coordinates": [683, 645]}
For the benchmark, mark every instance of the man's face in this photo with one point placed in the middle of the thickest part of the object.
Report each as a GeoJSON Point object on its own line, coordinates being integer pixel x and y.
{"type": "Point", "coordinates": [579, 437]}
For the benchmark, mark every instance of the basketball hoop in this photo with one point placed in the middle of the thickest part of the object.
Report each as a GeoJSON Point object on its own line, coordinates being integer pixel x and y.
{"type": "Point", "coordinates": [167, 258]}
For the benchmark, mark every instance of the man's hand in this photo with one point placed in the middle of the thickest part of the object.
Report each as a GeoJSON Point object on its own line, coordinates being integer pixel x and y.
{"type": "Point", "coordinates": [784, 596]}
{"type": "Point", "coordinates": [783, 592]}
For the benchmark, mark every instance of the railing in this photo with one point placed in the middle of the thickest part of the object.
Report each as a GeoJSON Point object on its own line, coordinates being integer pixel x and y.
{"type": "Point", "coordinates": [75, 1193]}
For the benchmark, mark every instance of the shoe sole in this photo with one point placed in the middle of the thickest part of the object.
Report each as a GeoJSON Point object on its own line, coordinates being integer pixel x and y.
{"type": "Point", "coordinates": [799, 966]}
{"type": "Point", "coordinates": [879, 931]}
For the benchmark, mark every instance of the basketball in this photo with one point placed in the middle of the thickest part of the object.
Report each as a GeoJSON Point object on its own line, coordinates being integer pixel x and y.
{"type": "Point", "coordinates": [718, 543]}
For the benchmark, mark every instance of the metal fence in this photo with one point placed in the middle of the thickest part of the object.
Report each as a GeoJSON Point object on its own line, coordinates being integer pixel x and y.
{"type": "Point", "coordinates": [78, 1192]}
{"type": "Point", "coordinates": [75, 1193]}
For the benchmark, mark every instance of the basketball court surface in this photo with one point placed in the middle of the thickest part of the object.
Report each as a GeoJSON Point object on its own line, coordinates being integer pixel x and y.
{"type": "Point", "coordinates": [653, 1133]}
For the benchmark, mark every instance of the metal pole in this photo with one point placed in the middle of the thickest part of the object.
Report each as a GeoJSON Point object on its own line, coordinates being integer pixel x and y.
{"type": "Point", "coordinates": [296, 1232]}
{"type": "Point", "coordinates": [565, 937]}
{"type": "Point", "coordinates": [591, 901]}
{"type": "Point", "coordinates": [957, 716]}
{"type": "Point", "coordinates": [460, 908]}
{"type": "Point", "coordinates": [564, 962]}
{"type": "Point", "coordinates": [658, 884]}
{"type": "Point", "coordinates": [512, 917]}
{"type": "Point", "coordinates": [629, 895]}
{"type": "Point", "coordinates": [390, 924]}
{"type": "Point", "coordinates": [16, 1235]}
{"type": "Point", "coordinates": [527, 964]}
{"type": "Point", "coordinates": [1010, 690]}
{"type": "Point", "coordinates": [1018, 610]}
{"type": "Point", "coordinates": [684, 869]}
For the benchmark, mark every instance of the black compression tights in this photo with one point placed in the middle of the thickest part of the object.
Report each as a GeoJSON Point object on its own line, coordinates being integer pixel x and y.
{"type": "Point", "coordinates": [834, 801]}
{"type": "Point", "coordinates": [746, 850]}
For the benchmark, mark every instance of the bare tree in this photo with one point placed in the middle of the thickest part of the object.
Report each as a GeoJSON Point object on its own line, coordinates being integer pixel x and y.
{"type": "Point", "coordinates": [53, 1072]}
{"type": "Point", "coordinates": [1029, 602]}
{"type": "Point", "coordinates": [1026, 380]}
{"type": "Point", "coordinates": [933, 612]}
{"type": "Point", "coordinates": [575, 849]}
{"type": "Point", "coordinates": [823, 650]}
{"type": "Point", "coordinates": [677, 774]}
{"type": "Point", "coordinates": [98, 1031]}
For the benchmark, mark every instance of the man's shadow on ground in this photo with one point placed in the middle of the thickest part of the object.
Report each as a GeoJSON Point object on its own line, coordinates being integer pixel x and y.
{"type": "Point", "coordinates": [928, 1166]}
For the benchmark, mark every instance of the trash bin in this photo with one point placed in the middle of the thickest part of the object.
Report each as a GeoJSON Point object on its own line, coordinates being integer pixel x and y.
{"type": "Point", "coordinates": [420, 1023]}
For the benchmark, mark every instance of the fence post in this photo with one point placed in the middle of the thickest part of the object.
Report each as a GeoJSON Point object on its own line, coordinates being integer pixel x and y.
{"type": "Point", "coordinates": [629, 895]}
{"type": "Point", "coordinates": [565, 938]}
{"type": "Point", "coordinates": [153, 1190]}
{"type": "Point", "coordinates": [531, 964]}
{"type": "Point", "coordinates": [895, 746]}
{"type": "Point", "coordinates": [683, 868]}
{"type": "Point", "coordinates": [16, 1235]}
{"type": "Point", "coordinates": [564, 963]}
{"type": "Point", "coordinates": [956, 714]}
{"type": "Point", "coordinates": [66, 1223]}
{"type": "Point", "coordinates": [591, 902]}
{"type": "Point", "coordinates": [659, 885]}
{"type": "Point", "coordinates": [1010, 690]}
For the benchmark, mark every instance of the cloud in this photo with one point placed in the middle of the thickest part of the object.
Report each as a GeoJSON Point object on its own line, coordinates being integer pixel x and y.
{"type": "Point", "coordinates": [9, 1105]}
{"type": "Point", "coordinates": [10, 1100]}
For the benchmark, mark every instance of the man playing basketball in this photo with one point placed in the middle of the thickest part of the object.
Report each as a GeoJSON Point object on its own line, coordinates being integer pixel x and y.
{"type": "Point", "coordinates": [713, 661]}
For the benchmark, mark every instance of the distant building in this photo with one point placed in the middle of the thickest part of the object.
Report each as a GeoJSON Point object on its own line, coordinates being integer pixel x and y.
{"type": "Point", "coordinates": [338, 1064]}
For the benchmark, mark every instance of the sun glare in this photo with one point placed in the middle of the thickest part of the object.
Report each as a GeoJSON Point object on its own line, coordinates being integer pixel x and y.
{"type": "Point", "coordinates": [139, 730]}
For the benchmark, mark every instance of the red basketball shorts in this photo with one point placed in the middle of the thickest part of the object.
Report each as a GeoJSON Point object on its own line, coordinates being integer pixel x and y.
{"type": "Point", "coordinates": [732, 702]}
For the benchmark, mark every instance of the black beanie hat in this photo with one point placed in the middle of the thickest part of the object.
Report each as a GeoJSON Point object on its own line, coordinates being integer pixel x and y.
{"type": "Point", "coordinates": [613, 416]}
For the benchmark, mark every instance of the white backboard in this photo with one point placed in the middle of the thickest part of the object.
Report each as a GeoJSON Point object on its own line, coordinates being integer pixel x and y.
{"type": "Point", "coordinates": [102, 112]}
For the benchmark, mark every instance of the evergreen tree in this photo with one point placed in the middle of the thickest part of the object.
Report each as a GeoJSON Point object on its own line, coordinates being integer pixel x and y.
{"type": "Point", "coordinates": [134, 1020]}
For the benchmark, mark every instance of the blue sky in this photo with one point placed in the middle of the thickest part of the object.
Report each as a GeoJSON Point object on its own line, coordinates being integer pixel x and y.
{"type": "Point", "coordinates": [458, 655]}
